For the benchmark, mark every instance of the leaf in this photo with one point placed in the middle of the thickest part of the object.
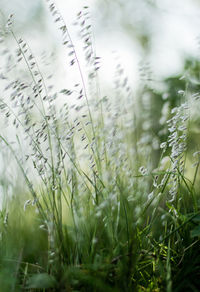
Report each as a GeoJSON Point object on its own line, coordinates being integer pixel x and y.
{"type": "Point", "coordinates": [195, 232]}
{"type": "Point", "coordinates": [42, 280]}
{"type": "Point", "coordinates": [196, 219]}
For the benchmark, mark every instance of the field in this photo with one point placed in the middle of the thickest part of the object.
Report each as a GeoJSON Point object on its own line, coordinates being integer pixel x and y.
{"type": "Point", "coordinates": [98, 193]}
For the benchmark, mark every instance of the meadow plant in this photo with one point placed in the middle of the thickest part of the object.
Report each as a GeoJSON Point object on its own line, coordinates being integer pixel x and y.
{"type": "Point", "coordinates": [104, 214]}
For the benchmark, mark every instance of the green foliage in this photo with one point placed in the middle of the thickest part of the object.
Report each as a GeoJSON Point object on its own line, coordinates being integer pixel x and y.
{"type": "Point", "coordinates": [107, 200]}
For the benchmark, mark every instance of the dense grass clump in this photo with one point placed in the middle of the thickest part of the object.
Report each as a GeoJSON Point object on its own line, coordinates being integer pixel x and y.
{"type": "Point", "coordinates": [99, 195]}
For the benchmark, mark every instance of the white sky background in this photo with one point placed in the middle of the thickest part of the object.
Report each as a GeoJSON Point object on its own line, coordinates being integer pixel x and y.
{"type": "Point", "coordinates": [174, 27]}
{"type": "Point", "coordinates": [176, 31]}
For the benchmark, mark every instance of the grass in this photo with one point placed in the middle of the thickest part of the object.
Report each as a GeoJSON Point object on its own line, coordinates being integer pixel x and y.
{"type": "Point", "coordinates": [93, 204]}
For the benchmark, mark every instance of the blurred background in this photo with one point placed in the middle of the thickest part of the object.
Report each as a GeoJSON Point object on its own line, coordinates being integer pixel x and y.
{"type": "Point", "coordinates": [162, 33]}
{"type": "Point", "coordinates": [156, 42]}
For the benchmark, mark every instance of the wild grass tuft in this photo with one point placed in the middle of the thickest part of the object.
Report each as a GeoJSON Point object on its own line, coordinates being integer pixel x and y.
{"type": "Point", "coordinates": [101, 196]}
